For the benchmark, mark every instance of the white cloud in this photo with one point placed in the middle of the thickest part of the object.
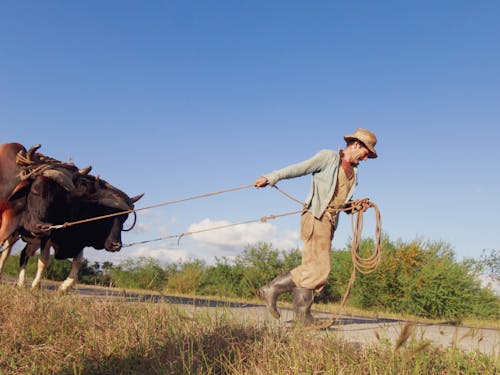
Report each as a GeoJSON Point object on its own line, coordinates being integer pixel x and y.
{"type": "Point", "coordinates": [234, 238]}
{"type": "Point", "coordinates": [162, 254]}
{"type": "Point", "coordinates": [140, 228]}
{"type": "Point", "coordinates": [215, 242]}
{"type": "Point", "coordinates": [161, 226]}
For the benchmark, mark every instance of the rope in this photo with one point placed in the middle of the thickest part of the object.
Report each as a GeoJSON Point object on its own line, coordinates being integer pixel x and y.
{"type": "Point", "coordinates": [263, 219]}
{"type": "Point", "coordinates": [288, 195]}
{"type": "Point", "coordinates": [34, 163]}
{"type": "Point", "coordinates": [362, 265]}
{"type": "Point", "coordinates": [69, 224]}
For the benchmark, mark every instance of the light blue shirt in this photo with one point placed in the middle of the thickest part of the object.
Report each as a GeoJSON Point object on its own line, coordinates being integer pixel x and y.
{"type": "Point", "coordinates": [324, 167]}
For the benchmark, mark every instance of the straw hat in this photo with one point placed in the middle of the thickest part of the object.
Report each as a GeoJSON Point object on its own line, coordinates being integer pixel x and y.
{"type": "Point", "coordinates": [366, 137]}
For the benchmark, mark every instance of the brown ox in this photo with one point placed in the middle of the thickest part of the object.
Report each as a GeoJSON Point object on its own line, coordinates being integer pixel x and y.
{"type": "Point", "coordinates": [13, 179]}
{"type": "Point", "coordinates": [10, 211]}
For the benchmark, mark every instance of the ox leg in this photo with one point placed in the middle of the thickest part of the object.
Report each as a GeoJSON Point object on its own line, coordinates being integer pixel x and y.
{"type": "Point", "coordinates": [8, 227]}
{"type": "Point", "coordinates": [7, 248]}
{"type": "Point", "coordinates": [26, 254]}
{"type": "Point", "coordinates": [73, 275]}
{"type": "Point", "coordinates": [43, 264]}
{"type": "Point", "coordinates": [21, 278]}
{"type": "Point", "coordinates": [23, 262]}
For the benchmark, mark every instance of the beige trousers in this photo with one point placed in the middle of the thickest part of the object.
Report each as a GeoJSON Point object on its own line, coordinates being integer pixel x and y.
{"type": "Point", "coordinates": [317, 236]}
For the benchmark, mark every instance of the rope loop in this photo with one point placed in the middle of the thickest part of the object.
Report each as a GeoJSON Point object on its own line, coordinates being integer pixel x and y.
{"type": "Point", "coordinates": [363, 265]}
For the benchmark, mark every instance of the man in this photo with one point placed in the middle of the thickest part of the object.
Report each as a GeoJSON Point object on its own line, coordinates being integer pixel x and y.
{"type": "Point", "coordinates": [334, 179]}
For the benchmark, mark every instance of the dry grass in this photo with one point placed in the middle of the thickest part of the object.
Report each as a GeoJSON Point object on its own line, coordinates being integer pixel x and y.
{"type": "Point", "coordinates": [46, 333]}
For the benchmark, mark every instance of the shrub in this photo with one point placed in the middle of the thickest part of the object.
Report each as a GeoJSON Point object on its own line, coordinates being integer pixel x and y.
{"type": "Point", "coordinates": [491, 262]}
{"type": "Point", "coordinates": [143, 273]}
{"type": "Point", "coordinates": [262, 263]}
{"type": "Point", "coordinates": [187, 277]}
{"type": "Point", "coordinates": [223, 279]}
{"type": "Point", "coordinates": [424, 279]}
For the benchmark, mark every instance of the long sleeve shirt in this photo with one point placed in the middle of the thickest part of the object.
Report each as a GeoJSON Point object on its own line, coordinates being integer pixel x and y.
{"type": "Point", "coordinates": [324, 167]}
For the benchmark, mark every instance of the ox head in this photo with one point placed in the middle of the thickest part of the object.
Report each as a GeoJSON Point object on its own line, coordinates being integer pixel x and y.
{"type": "Point", "coordinates": [96, 198]}
{"type": "Point", "coordinates": [46, 200]}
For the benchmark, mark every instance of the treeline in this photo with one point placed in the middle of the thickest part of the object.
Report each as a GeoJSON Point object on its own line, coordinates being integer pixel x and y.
{"type": "Point", "coordinates": [417, 277]}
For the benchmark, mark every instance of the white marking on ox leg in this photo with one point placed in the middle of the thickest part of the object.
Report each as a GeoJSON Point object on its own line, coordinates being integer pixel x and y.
{"type": "Point", "coordinates": [28, 252]}
{"type": "Point", "coordinates": [7, 248]}
{"type": "Point", "coordinates": [43, 263]}
{"type": "Point", "coordinates": [21, 278]}
{"type": "Point", "coordinates": [73, 275]}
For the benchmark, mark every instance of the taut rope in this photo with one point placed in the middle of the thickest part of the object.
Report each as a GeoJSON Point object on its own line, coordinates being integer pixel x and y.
{"type": "Point", "coordinates": [69, 224]}
{"type": "Point", "coordinates": [179, 236]}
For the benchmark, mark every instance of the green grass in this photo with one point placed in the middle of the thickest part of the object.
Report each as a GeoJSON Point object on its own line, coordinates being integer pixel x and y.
{"type": "Point", "coordinates": [46, 333]}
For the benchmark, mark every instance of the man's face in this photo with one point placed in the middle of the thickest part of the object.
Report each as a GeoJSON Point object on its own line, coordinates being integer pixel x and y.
{"type": "Point", "coordinates": [360, 153]}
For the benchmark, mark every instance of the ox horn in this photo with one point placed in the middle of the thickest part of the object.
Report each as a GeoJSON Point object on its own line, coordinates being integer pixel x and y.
{"type": "Point", "coordinates": [114, 202]}
{"type": "Point", "coordinates": [31, 151]}
{"type": "Point", "coordinates": [136, 198]}
{"type": "Point", "coordinates": [61, 178]}
{"type": "Point", "coordinates": [85, 171]}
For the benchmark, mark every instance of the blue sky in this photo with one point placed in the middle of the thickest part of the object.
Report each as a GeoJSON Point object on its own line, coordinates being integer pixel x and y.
{"type": "Point", "coordinates": [179, 98]}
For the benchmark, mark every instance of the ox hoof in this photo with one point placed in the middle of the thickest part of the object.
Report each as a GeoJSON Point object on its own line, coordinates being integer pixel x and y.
{"type": "Point", "coordinates": [66, 286]}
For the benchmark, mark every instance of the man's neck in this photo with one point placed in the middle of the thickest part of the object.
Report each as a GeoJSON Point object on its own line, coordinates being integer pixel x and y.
{"type": "Point", "coordinates": [346, 164]}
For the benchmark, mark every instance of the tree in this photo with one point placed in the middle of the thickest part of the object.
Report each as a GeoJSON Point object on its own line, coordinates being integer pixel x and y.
{"type": "Point", "coordinates": [491, 262]}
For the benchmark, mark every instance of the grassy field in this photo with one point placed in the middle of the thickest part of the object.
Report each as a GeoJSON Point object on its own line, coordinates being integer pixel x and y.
{"type": "Point", "coordinates": [46, 333]}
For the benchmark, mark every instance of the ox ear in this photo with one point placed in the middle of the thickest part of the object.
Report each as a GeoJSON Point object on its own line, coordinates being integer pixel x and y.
{"type": "Point", "coordinates": [20, 190]}
{"type": "Point", "coordinates": [136, 198]}
{"type": "Point", "coordinates": [62, 178]}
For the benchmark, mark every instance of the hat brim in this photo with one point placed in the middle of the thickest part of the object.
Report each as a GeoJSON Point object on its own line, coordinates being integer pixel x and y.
{"type": "Point", "coordinates": [371, 155]}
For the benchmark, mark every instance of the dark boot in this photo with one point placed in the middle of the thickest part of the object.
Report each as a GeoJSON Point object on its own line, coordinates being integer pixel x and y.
{"type": "Point", "coordinates": [269, 293]}
{"type": "Point", "coordinates": [302, 301]}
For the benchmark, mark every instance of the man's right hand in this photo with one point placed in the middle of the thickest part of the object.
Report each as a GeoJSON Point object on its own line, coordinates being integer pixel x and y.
{"type": "Point", "coordinates": [261, 182]}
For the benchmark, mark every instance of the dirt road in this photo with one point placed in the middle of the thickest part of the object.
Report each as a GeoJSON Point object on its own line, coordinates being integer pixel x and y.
{"type": "Point", "coordinates": [362, 330]}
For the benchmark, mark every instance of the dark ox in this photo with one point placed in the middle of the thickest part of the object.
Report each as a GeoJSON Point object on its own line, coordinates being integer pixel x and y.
{"type": "Point", "coordinates": [65, 197]}
{"type": "Point", "coordinates": [10, 210]}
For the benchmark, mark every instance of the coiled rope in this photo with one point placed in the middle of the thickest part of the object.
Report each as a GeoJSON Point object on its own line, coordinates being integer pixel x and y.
{"type": "Point", "coordinates": [363, 265]}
